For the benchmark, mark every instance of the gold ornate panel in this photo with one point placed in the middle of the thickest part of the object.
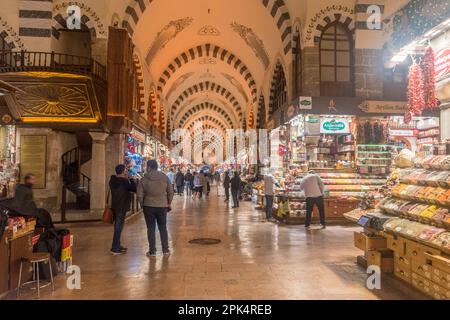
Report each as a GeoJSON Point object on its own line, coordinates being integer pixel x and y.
{"type": "Point", "coordinates": [55, 102]}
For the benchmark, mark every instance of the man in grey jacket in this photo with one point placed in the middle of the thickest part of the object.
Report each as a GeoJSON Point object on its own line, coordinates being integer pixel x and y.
{"type": "Point", "coordinates": [155, 194]}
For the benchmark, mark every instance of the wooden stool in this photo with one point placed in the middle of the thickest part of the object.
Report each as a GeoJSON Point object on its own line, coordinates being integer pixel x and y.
{"type": "Point", "coordinates": [35, 259]}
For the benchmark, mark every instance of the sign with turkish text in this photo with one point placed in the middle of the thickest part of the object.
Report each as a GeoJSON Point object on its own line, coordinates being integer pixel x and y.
{"type": "Point", "coordinates": [334, 126]}
{"type": "Point", "coordinates": [442, 63]}
{"type": "Point", "coordinates": [33, 159]}
{"type": "Point", "coordinates": [402, 133]}
{"type": "Point", "coordinates": [393, 107]}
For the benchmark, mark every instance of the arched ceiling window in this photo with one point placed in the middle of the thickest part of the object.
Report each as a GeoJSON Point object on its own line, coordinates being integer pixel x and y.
{"type": "Point", "coordinates": [336, 61]}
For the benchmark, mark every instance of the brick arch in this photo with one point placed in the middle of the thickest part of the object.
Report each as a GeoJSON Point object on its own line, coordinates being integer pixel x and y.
{"type": "Point", "coordinates": [90, 20]}
{"type": "Point", "coordinates": [162, 120]}
{"type": "Point", "coordinates": [276, 8]}
{"type": "Point", "coordinates": [212, 51]}
{"type": "Point", "coordinates": [206, 106]}
{"type": "Point", "coordinates": [251, 119]}
{"type": "Point", "coordinates": [206, 86]}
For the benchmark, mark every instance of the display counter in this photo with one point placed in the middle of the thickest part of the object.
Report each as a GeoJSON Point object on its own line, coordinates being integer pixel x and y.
{"type": "Point", "coordinates": [417, 232]}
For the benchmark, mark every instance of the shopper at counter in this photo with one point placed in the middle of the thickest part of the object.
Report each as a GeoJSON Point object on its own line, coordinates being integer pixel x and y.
{"type": "Point", "coordinates": [121, 188]}
{"type": "Point", "coordinates": [313, 187]}
{"type": "Point", "coordinates": [269, 183]}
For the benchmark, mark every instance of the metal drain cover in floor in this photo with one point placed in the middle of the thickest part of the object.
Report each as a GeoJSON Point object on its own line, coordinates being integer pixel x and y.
{"type": "Point", "coordinates": [205, 241]}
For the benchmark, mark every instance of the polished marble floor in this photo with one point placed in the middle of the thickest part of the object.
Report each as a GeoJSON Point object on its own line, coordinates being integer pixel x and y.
{"type": "Point", "coordinates": [255, 260]}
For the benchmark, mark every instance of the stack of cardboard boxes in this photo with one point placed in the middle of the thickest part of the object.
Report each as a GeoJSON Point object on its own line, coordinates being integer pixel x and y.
{"type": "Point", "coordinates": [66, 253]}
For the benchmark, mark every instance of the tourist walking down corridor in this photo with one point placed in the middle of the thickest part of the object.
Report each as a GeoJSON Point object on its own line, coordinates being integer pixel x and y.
{"type": "Point", "coordinates": [171, 176]}
{"type": "Point", "coordinates": [235, 188]}
{"type": "Point", "coordinates": [155, 193]}
{"type": "Point", "coordinates": [179, 182]}
{"type": "Point", "coordinates": [197, 186]}
{"type": "Point", "coordinates": [121, 188]}
{"type": "Point", "coordinates": [269, 182]}
{"type": "Point", "coordinates": [226, 185]}
{"type": "Point", "coordinates": [188, 182]}
{"type": "Point", "coordinates": [313, 187]}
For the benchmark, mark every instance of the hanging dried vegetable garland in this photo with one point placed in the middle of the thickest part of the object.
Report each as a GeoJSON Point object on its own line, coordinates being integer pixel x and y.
{"type": "Point", "coordinates": [429, 79]}
{"type": "Point", "coordinates": [416, 100]}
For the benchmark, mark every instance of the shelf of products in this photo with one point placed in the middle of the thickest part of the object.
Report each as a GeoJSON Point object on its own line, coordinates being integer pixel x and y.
{"type": "Point", "coordinates": [419, 232]}
{"type": "Point", "coordinates": [374, 159]}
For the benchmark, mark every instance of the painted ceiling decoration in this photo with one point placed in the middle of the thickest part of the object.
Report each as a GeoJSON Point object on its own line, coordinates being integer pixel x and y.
{"type": "Point", "coordinates": [169, 32]}
{"type": "Point", "coordinates": [209, 30]}
{"type": "Point", "coordinates": [276, 8]}
{"type": "Point", "coordinates": [252, 40]}
{"type": "Point", "coordinates": [210, 108]}
{"type": "Point", "coordinates": [236, 84]}
{"type": "Point", "coordinates": [89, 20]}
{"type": "Point", "coordinates": [207, 50]}
{"type": "Point", "coordinates": [206, 87]}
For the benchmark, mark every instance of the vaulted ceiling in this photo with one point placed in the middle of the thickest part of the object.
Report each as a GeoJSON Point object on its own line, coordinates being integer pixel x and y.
{"type": "Point", "coordinates": [209, 57]}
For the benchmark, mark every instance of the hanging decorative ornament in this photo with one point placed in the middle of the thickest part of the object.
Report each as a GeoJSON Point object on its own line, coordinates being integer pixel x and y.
{"type": "Point", "coordinates": [416, 100]}
{"type": "Point", "coordinates": [407, 117]}
{"type": "Point", "coordinates": [429, 79]}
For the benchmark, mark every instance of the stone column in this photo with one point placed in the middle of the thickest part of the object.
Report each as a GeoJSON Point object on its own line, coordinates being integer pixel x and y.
{"type": "Point", "coordinates": [445, 120]}
{"type": "Point", "coordinates": [98, 171]}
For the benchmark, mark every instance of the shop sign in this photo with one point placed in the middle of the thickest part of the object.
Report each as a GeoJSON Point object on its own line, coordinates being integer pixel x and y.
{"type": "Point", "coordinates": [138, 135]}
{"type": "Point", "coordinates": [402, 133]}
{"type": "Point", "coordinates": [334, 126]}
{"type": "Point", "coordinates": [395, 107]}
{"type": "Point", "coordinates": [442, 63]}
{"type": "Point", "coordinates": [33, 158]}
{"type": "Point", "coordinates": [305, 103]}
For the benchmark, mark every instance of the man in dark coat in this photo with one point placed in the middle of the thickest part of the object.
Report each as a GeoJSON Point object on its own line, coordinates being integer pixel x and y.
{"type": "Point", "coordinates": [179, 182]}
{"type": "Point", "coordinates": [121, 188]}
{"type": "Point", "coordinates": [188, 182]}
{"type": "Point", "coordinates": [226, 185]}
{"type": "Point", "coordinates": [23, 201]}
{"type": "Point", "coordinates": [235, 187]}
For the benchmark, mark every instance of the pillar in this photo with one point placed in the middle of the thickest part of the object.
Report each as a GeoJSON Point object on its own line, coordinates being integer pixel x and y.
{"type": "Point", "coordinates": [98, 171]}
{"type": "Point", "coordinates": [445, 120]}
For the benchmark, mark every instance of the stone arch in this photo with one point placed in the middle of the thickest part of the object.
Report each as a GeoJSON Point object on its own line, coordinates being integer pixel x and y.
{"type": "Point", "coordinates": [279, 74]}
{"type": "Point", "coordinates": [276, 8]}
{"type": "Point", "coordinates": [206, 86]}
{"type": "Point", "coordinates": [10, 36]}
{"type": "Point", "coordinates": [90, 20]}
{"type": "Point", "coordinates": [140, 83]}
{"type": "Point", "coordinates": [326, 16]}
{"type": "Point", "coordinates": [212, 51]}
{"type": "Point", "coordinates": [261, 114]}
{"type": "Point", "coordinates": [207, 106]}
{"type": "Point", "coordinates": [206, 120]}
{"type": "Point", "coordinates": [152, 108]}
